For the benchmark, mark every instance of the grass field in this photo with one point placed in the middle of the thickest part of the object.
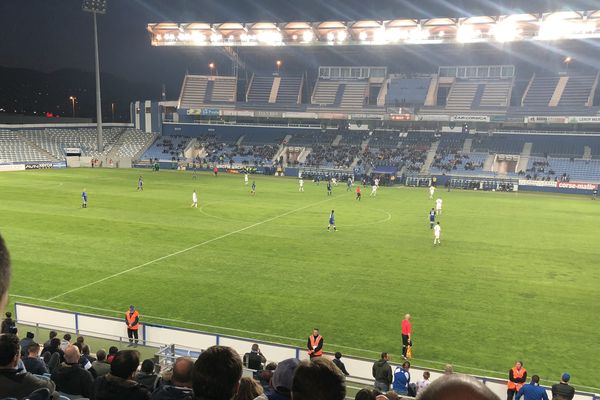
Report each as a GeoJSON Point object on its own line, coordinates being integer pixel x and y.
{"type": "Point", "coordinates": [517, 275]}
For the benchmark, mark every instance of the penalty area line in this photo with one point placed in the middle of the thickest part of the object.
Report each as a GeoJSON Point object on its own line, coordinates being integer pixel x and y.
{"type": "Point", "coordinates": [188, 249]}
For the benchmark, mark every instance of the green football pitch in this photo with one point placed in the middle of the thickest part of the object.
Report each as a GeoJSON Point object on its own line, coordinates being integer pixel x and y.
{"type": "Point", "coordinates": [516, 277]}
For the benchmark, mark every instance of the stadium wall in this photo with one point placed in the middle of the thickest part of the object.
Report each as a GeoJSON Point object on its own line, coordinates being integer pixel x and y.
{"type": "Point", "coordinates": [196, 130]}
{"type": "Point", "coordinates": [158, 335]}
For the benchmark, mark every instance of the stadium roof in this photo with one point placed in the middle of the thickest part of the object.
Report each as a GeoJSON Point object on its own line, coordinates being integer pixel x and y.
{"type": "Point", "coordinates": [499, 29]}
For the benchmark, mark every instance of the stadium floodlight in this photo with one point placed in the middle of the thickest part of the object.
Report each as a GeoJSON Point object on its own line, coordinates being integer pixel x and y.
{"type": "Point", "coordinates": [308, 36]}
{"type": "Point", "coordinates": [505, 31]}
{"type": "Point", "coordinates": [330, 36]}
{"type": "Point", "coordinates": [467, 34]}
{"type": "Point", "coordinates": [342, 35]}
{"type": "Point", "coordinates": [363, 36]}
{"type": "Point", "coordinates": [97, 7]}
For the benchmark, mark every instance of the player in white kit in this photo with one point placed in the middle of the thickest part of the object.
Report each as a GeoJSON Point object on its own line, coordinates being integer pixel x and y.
{"type": "Point", "coordinates": [431, 192]}
{"type": "Point", "coordinates": [437, 231]}
{"type": "Point", "coordinates": [194, 200]}
{"type": "Point", "coordinates": [246, 179]}
{"type": "Point", "coordinates": [438, 206]}
{"type": "Point", "coordinates": [301, 183]}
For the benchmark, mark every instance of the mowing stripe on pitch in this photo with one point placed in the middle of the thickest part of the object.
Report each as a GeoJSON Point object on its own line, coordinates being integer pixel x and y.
{"type": "Point", "coordinates": [189, 248]}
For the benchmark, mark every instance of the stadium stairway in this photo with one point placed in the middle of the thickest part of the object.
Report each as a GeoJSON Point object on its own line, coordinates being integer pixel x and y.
{"type": "Point", "coordinates": [40, 149]}
{"type": "Point", "coordinates": [430, 156]}
{"type": "Point", "coordinates": [587, 153]}
{"type": "Point", "coordinates": [337, 140]}
{"type": "Point", "coordinates": [524, 158]}
{"type": "Point", "coordinates": [467, 146]}
{"type": "Point", "coordinates": [558, 91]}
{"type": "Point", "coordinates": [489, 162]}
{"type": "Point", "coordinates": [478, 96]}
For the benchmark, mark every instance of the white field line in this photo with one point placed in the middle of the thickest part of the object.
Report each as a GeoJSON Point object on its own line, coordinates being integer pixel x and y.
{"type": "Point", "coordinates": [269, 335]}
{"type": "Point", "coordinates": [188, 249]}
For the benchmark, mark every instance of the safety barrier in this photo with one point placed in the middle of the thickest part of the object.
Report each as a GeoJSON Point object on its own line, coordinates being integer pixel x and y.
{"type": "Point", "coordinates": [158, 335]}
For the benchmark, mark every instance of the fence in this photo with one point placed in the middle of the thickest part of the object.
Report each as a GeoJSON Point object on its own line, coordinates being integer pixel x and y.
{"type": "Point", "coordinates": [158, 335]}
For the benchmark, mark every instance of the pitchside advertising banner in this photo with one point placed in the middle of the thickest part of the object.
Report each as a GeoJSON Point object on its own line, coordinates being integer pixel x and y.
{"type": "Point", "coordinates": [433, 118]}
{"type": "Point", "coordinates": [546, 120]}
{"type": "Point", "coordinates": [470, 118]}
{"type": "Point", "coordinates": [584, 120]}
{"type": "Point", "coordinates": [559, 185]}
{"type": "Point", "coordinates": [208, 112]}
{"type": "Point", "coordinates": [32, 165]}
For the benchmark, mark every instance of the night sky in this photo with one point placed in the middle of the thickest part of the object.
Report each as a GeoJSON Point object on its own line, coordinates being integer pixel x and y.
{"type": "Point", "coordinates": [47, 35]}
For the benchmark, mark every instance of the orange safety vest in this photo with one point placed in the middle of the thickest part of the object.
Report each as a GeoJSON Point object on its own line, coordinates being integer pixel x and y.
{"type": "Point", "coordinates": [131, 319]}
{"type": "Point", "coordinates": [314, 343]}
{"type": "Point", "coordinates": [517, 373]}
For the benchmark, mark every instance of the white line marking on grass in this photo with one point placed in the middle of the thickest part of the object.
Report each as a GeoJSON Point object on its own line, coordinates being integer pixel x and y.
{"type": "Point", "coordinates": [269, 335]}
{"type": "Point", "coordinates": [189, 248]}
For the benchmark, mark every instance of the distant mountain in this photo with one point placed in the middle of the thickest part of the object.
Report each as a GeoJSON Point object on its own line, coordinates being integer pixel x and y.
{"type": "Point", "coordinates": [30, 92]}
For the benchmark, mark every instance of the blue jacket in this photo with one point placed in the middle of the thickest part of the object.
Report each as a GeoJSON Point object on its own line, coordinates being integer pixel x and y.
{"type": "Point", "coordinates": [401, 381]}
{"type": "Point", "coordinates": [532, 392]}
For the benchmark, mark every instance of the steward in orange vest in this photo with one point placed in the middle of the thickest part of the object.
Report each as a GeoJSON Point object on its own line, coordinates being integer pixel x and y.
{"type": "Point", "coordinates": [315, 344]}
{"type": "Point", "coordinates": [517, 377]}
{"type": "Point", "coordinates": [132, 319]}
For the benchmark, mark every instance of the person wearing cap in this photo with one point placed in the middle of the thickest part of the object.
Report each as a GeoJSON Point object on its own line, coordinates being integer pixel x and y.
{"type": "Point", "coordinates": [562, 390]}
{"type": "Point", "coordinates": [132, 319]}
{"type": "Point", "coordinates": [532, 390]}
{"type": "Point", "coordinates": [315, 344]}
{"type": "Point", "coordinates": [283, 378]}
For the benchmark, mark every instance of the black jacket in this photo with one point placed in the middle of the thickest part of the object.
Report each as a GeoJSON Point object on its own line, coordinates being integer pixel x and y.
{"type": "Point", "coordinates": [35, 366]}
{"type": "Point", "coordinates": [382, 372]}
{"type": "Point", "coordinates": [73, 379]}
{"type": "Point", "coordinates": [341, 366]}
{"type": "Point", "coordinates": [168, 392]}
{"type": "Point", "coordinates": [109, 387]}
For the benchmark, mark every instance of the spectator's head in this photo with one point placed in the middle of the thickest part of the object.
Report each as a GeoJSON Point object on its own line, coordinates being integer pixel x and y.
{"type": "Point", "coordinates": [318, 379]}
{"type": "Point", "coordinates": [79, 346]}
{"type": "Point", "coordinates": [125, 364]}
{"type": "Point", "coordinates": [112, 350]}
{"type": "Point", "coordinates": [284, 375]}
{"type": "Point", "coordinates": [30, 335]}
{"type": "Point", "coordinates": [519, 364]}
{"type": "Point", "coordinates": [426, 375]}
{"type": "Point", "coordinates": [271, 366]}
{"type": "Point", "coordinates": [217, 373]}
{"type": "Point", "coordinates": [535, 380]}
{"type": "Point", "coordinates": [9, 350]}
{"type": "Point", "coordinates": [365, 394]}
{"type": "Point", "coordinates": [391, 395]}
{"type": "Point", "coordinates": [52, 334]}
{"type": "Point", "coordinates": [315, 331]}
{"type": "Point", "coordinates": [565, 377]}
{"type": "Point", "coordinates": [249, 389]}
{"type": "Point", "coordinates": [147, 366]}
{"type": "Point", "coordinates": [457, 387]}
{"type": "Point", "coordinates": [33, 350]}
{"type": "Point", "coordinates": [182, 372]}
{"type": "Point", "coordinates": [406, 365]}
{"type": "Point", "coordinates": [80, 340]}
{"type": "Point", "coordinates": [448, 369]}
{"type": "Point", "coordinates": [385, 355]}
{"type": "Point", "coordinates": [101, 355]}
{"type": "Point", "coordinates": [4, 274]}
{"type": "Point", "coordinates": [55, 343]}
{"type": "Point", "coordinates": [338, 355]}
{"type": "Point", "coordinates": [255, 347]}
{"type": "Point", "coordinates": [67, 337]}
{"type": "Point", "coordinates": [72, 354]}
{"type": "Point", "coordinates": [85, 350]}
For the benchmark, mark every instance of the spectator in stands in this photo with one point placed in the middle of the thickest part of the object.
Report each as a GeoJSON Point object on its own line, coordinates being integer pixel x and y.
{"type": "Point", "coordinates": [423, 383]}
{"type": "Point", "coordinates": [13, 382]}
{"type": "Point", "coordinates": [101, 366]}
{"type": "Point", "coordinates": [26, 342]}
{"type": "Point", "coordinates": [65, 342]}
{"type": "Point", "coordinates": [51, 336]}
{"type": "Point", "coordinates": [70, 377]}
{"type": "Point", "coordinates": [85, 352]}
{"type": "Point", "coordinates": [8, 324]}
{"type": "Point", "coordinates": [382, 372]}
{"type": "Point", "coordinates": [217, 373]}
{"type": "Point", "coordinates": [562, 390]}
{"type": "Point", "coordinates": [4, 275]}
{"type": "Point", "coordinates": [282, 379]}
{"type": "Point", "coordinates": [54, 348]}
{"type": "Point", "coordinates": [532, 390]}
{"type": "Point", "coordinates": [457, 387]}
{"type": "Point", "coordinates": [147, 376]}
{"type": "Point", "coordinates": [179, 386]}
{"type": "Point", "coordinates": [255, 359]}
{"type": "Point", "coordinates": [264, 376]}
{"type": "Point", "coordinates": [448, 369]}
{"type": "Point", "coordinates": [32, 361]}
{"type": "Point", "coordinates": [338, 363]}
{"type": "Point", "coordinates": [249, 390]}
{"type": "Point", "coordinates": [365, 394]}
{"type": "Point", "coordinates": [112, 352]}
{"type": "Point", "coordinates": [402, 380]}
{"type": "Point", "coordinates": [517, 376]}
{"type": "Point", "coordinates": [318, 379]}
{"type": "Point", "coordinates": [119, 383]}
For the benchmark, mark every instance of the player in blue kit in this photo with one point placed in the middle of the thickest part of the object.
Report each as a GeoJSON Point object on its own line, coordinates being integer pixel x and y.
{"type": "Point", "coordinates": [431, 218]}
{"type": "Point", "coordinates": [253, 188]}
{"type": "Point", "coordinates": [328, 188]}
{"type": "Point", "coordinates": [331, 222]}
{"type": "Point", "coordinates": [140, 184]}
{"type": "Point", "coordinates": [84, 199]}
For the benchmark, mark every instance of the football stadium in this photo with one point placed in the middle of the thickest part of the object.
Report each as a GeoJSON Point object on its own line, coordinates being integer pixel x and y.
{"type": "Point", "coordinates": [343, 209]}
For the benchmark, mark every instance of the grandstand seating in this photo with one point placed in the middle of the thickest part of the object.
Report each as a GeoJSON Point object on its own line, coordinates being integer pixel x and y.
{"type": "Point", "coordinates": [407, 91]}
{"type": "Point", "coordinates": [167, 148]}
{"type": "Point", "coordinates": [290, 90]}
{"type": "Point", "coordinates": [354, 93]}
{"type": "Point", "coordinates": [325, 92]}
{"type": "Point", "coordinates": [496, 94]}
{"type": "Point", "coordinates": [193, 92]}
{"type": "Point", "coordinates": [563, 169]}
{"type": "Point", "coordinates": [502, 144]}
{"type": "Point", "coordinates": [13, 148]}
{"type": "Point", "coordinates": [577, 91]}
{"type": "Point", "coordinates": [198, 90]}
{"type": "Point", "coordinates": [260, 89]}
{"type": "Point", "coordinates": [540, 91]}
{"type": "Point", "coordinates": [311, 138]}
{"type": "Point", "coordinates": [461, 96]}
{"type": "Point", "coordinates": [267, 137]}
{"type": "Point", "coordinates": [132, 141]}
{"type": "Point", "coordinates": [224, 89]}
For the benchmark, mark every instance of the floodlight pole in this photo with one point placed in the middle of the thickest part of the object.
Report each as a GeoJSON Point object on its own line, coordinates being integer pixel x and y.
{"type": "Point", "coordinates": [98, 97]}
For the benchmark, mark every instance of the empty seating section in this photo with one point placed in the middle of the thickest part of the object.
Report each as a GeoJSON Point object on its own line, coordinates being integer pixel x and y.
{"type": "Point", "coordinates": [500, 144]}
{"type": "Point", "coordinates": [224, 89]}
{"type": "Point", "coordinates": [353, 138]}
{"type": "Point", "coordinates": [563, 169]}
{"type": "Point", "coordinates": [461, 96]}
{"type": "Point", "coordinates": [540, 91]}
{"type": "Point", "coordinates": [407, 91]}
{"type": "Point", "coordinates": [577, 91]}
{"type": "Point", "coordinates": [496, 94]}
{"type": "Point", "coordinates": [133, 141]}
{"type": "Point", "coordinates": [325, 92]}
{"type": "Point", "coordinates": [193, 93]}
{"type": "Point", "coordinates": [13, 148]}
{"type": "Point", "coordinates": [559, 146]}
{"type": "Point", "coordinates": [311, 138]}
{"type": "Point", "coordinates": [167, 148]}
{"type": "Point", "coordinates": [54, 140]}
{"type": "Point", "coordinates": [451, 142]}
{"type": "Point", "coordinates": [354, 94]}
{"type": "Point", "coordinates": [260, 89]}
{"type": "Point", "coordinates": [268, 137]}
{"type": "Point", "coordinates": [384, 139]}
{"type": "Point", "coordinates": [290, 90]}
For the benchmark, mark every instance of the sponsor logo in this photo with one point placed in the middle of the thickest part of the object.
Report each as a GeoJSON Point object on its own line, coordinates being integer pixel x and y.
{"type": "Point", "coordinates": [576, 185]}
{"type": "Point", "coordinates": [39, 166]}
{"type": "Point", "coordinates": [470, 118]}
